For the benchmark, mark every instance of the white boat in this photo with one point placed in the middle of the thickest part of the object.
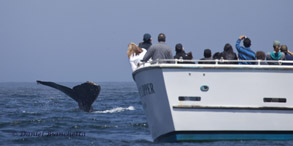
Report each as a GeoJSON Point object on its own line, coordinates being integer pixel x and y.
{"type": "Point", "coordinates": [190, 102]}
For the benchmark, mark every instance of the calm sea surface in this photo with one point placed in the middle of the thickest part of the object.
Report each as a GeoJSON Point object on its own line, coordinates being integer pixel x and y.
{"type": "Point", "coordinates": [39, 115]}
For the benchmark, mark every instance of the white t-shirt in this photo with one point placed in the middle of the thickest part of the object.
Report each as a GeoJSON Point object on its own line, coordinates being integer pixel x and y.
{"type": "Point", "coordinates": [135, 59]}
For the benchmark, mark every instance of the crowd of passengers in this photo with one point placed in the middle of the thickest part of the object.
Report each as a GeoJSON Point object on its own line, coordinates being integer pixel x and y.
{"type": "Point", "coordinates": [146, 51]}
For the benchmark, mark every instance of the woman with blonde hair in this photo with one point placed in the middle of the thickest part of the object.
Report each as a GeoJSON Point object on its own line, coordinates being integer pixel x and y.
{"type": "Point", "coordinates": [135, 55]}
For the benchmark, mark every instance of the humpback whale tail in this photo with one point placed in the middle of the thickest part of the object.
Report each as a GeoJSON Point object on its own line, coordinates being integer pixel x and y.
{"type": "Point", "coordinates": [84, 94]}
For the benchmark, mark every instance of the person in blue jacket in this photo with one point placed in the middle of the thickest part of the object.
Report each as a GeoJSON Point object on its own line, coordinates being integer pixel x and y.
{"type": "Point", "coordinates": [245, 52]}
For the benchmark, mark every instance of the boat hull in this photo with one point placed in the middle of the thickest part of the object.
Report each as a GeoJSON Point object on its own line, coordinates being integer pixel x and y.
{"type": "Point", "coordinates": [193, 102]}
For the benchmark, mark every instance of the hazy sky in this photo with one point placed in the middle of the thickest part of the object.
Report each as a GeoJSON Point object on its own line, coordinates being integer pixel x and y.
{"type": "Point", "coordinates": [81, 40]}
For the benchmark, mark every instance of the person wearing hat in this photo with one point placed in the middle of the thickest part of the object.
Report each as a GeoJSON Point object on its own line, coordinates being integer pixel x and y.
{"type": "Point", "coordinates": [276, 54]}
{"type": "Point", "coordinates": [147, 41]}
{"type": "Point", "coordinates": [180, 53]}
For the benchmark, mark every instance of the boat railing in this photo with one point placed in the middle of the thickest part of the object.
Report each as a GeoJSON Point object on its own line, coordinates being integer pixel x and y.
{"type": "Point", "coordinates": [219, 62]}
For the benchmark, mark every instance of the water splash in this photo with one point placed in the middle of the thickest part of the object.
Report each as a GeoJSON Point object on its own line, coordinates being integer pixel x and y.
{"type": "Point", "coordinates": [116, 110]}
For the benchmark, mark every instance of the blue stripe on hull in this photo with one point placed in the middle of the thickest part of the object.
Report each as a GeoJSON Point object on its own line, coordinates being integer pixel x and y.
{"type": "Point", "coordinates": [180, 137]}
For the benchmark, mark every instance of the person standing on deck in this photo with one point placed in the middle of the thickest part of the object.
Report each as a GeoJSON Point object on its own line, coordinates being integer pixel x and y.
{"type": "Point", "coordinates": [135, 54]}
{"type": "Point", "coordinates": [228, 54]}
{"type": "Point", "coordinates": [260, 55]}
{"type": "Point", "coordinates": [147, 41]}
{"type": "Point", "coordinates": [180, 54]}
{"type": "Point", "coordinates": [207, 56]}
{"type": "Point", "coordinates": [159, 51]}
{"type": "Point", "coordinates": [276, 54]}
{"type": "Point", "coordinates": [245, 53]}
{"type": "Point", "coordinates": [288, 54]}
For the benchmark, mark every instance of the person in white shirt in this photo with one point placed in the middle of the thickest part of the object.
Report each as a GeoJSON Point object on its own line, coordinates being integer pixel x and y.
{"type": "Point", "coordinates": [135, 55]}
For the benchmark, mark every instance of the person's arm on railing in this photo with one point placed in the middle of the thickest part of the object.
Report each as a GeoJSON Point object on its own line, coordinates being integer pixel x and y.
{"type": "Point", "coordinates": [148, 54]}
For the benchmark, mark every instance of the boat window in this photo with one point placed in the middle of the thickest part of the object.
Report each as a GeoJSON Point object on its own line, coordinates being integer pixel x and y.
{"type": "Point", "coordinates": [189, 98]}
{"type": "Point", "coordinates": [283, 100]}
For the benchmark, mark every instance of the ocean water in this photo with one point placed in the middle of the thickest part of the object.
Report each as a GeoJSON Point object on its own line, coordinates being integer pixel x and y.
{"type": "Point", "coordinates": [39, 115]}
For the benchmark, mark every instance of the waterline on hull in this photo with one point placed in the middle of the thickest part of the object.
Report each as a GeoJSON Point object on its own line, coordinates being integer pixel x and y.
{"type": "Point", "coordinates": [185, 136]}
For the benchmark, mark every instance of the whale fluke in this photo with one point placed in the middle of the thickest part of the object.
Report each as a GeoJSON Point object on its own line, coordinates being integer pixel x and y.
{"type": "Point", "coordinates": [84, 94]}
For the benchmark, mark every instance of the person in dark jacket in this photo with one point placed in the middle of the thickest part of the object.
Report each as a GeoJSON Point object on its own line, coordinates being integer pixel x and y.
{"type": "Point", "coordinates": [147, 41]}
{"type": "Point", "coordinates": [287, 53]}
{"type": "Point", "coordinates": [180, 53]}
{"type": "Point", "coordinates": [228, 54]}
{"type": "Point", "coordinates": [217, 55]}
{"type": "Point", "coordinates": [207, 53]}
